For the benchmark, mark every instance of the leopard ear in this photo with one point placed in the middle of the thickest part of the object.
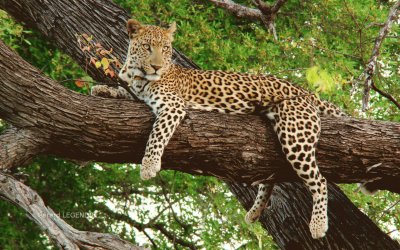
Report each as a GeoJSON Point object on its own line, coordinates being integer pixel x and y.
{"type": "Point", "coordinates": [133, 26]}
{"type": "Point", "coordinates": [172, 28]}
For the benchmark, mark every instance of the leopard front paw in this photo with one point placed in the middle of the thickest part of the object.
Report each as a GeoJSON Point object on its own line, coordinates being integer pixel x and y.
{"type": "Point", "coordinates": [150, 167]}
{"type": "Point", "coordinates": [103, 91]}
{"type": "Point", "coordinates": [318, 226]}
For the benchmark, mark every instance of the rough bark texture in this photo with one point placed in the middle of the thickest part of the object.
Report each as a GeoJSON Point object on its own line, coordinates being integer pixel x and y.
{"type": "Point", "coordinates": [347, 149]}
{"type": "Point", "coordinates": [230, 147]}
{"type": "Point", "coordinates": [92, 128]}
{"type": "Point", "coordinates": [289, 202]}
{"type": "Point", "coordinates": [18, 147]}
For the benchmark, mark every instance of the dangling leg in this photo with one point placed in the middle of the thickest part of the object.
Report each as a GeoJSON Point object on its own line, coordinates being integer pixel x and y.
{"type": "Point", "coordinates": [263, 195]}
{"type": "Point", "coordinates": [170, 111]}
{"type": "Point", "coordinates": [297, 125]}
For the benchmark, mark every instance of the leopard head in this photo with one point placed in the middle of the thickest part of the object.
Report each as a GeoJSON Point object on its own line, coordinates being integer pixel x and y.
{"type": "Point", "coordinates": [150, 51]}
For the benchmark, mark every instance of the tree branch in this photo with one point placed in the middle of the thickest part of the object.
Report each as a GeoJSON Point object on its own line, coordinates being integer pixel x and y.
{"type": "Point", "coordinates": [142, 226]}
{"type": "Point", "coordinates": [19, 146]}
{"type": "Point", "coordinates": [65, 236]}
{"type": "Point", "coordinates": [265, 13]}
{"type": "Point", "coordinates": [369, 70]}
{"type": "Point", "coordinates": [385, 94]}
{"type": "Point", "coordinates": [207, 139]}
{"type": "Point", "coordinates": [283, 211]}
{"type": "Point", "coordinates": [238, 10]}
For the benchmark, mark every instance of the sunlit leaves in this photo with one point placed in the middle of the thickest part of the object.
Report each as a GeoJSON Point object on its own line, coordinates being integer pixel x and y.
{"type": "Point", "coordinates": [320, 79]}
{"type": "Point", "coordinates": [105, 63]}
{"type": "Point", "coordinates": [79, 83]}
{"type": "Point", "coordinates": [98, 56]}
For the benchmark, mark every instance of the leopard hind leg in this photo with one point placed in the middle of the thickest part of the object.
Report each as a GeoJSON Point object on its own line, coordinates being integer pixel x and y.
{"type": "Point", "coordinates": [297, 124]}
{"type": "Point", "coordinates": [261, 201]}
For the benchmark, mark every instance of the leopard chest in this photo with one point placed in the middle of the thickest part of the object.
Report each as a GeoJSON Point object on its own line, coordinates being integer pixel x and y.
{"type": "Point", "coordinates": [140, 88]}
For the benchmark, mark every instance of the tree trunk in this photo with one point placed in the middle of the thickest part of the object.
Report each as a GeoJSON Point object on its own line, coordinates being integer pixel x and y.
{"type": "Point", "coordinates": [286, 219]}
{"type": "Point", "coordinates": [91, 128]}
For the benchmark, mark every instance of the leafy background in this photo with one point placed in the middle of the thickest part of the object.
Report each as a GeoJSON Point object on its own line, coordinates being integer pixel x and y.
{"type": "Point", "coordinates": [322, 46]}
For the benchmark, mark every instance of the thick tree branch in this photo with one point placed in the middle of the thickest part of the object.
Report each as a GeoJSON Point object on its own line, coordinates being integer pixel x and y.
{"type": "Point", "coordinates": [370, 69]}
{"type": "Point", "coordinates": [65, 236]}
{"type": "Point", "coordinates": [91, 128]}
{"type": "Point", "coordinates": [19, 146]}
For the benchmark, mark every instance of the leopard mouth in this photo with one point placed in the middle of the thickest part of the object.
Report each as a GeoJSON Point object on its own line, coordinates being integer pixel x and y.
{"type": "Point", "coordinates": [141, 72]}
{"type": "Point", "coordinates": [152, 77]}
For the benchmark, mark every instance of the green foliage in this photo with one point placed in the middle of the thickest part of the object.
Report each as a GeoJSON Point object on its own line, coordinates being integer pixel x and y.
{"type": "Point", "coordinates": [320, 79]}
{"type": "Point", "coordinates": [382, 208]}
{"type": "Point", "coordinates": [322, 46]}
{"type": "Point", "coordinates": [12, 33]}
{"type": "Point", "coordinates": [17, 231]}
{"type": "Point", "coordinates": [41, 53]}
{"type": "Point", "coordinates": [185, 205]}
{"type": "Point", "coordinates": [3, 125]}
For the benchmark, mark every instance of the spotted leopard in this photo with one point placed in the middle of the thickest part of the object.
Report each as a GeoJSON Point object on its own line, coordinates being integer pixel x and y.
{"type": "Point", "coordinates": [169, 89]}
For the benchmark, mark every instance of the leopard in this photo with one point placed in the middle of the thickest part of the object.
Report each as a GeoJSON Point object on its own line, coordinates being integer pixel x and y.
{"type": "Point", "coordinates": [170, 90]}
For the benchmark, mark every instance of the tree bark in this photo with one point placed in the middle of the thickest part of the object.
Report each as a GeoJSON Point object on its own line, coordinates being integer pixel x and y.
{"type": "Point", "coordinates": [229, 147]}
{"type": "Point", "coordinates": [289, 203]}
{"type": "Point", "coordinates": [226, 146]}
{"type": "Point", "coordinates": [347, 150]}
{"type": "Point", "coordinates": [18, 147]}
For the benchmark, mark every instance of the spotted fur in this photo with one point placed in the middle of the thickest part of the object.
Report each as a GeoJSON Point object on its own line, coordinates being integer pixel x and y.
{"type": "Point", "coordinates": [169, 89]}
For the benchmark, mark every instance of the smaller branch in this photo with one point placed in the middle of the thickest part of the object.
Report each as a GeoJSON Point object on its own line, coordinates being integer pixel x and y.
{"type": "Point", "coordinates": [265, 13]}
{"type": "Point", "coordinates": [387, 95]}
{"type": "Point", "coordinates": [374, 24]}
{"type": "Point", "coordinates": [141, 226]}
{"type": "Point", "coordinates": [278, 5]}
{"type": "Point", "coordinates": [158, 215]}
{"type": "Point", "coordinates": [265, 8]}
{"type": "Point", "coordinates": [390, 232]}
{"type": "Point", "coordinates": [238, 10]}
{"type": "Point", "coordinates": [65, 236]}
{"type": "Point", "coordinates": [269, 14]}
{"type": "Point", "coordinates": [384, 212]}
{"type": "Point", "coordinates": [18, 147]}
{"type": "Point", "coordinates": [131, 191]}
{"type": "Point", "coordinates": [150, 239]}
{"type": "Point", "coordinates": [335, 52]}
{"type": "Point", "coordinates": [170, 206]}
{"type": "Point", "coordinates": [369, 71]}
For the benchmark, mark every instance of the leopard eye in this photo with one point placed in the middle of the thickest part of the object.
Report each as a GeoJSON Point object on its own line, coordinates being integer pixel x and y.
{"type": "Point", "coordinates": [165, 48]}
{"type": "Point", "coordinates": [146, 46]}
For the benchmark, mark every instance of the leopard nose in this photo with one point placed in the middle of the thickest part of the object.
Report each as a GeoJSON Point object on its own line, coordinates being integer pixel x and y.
{"type": "Point", "coordinates": [156, 67]}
